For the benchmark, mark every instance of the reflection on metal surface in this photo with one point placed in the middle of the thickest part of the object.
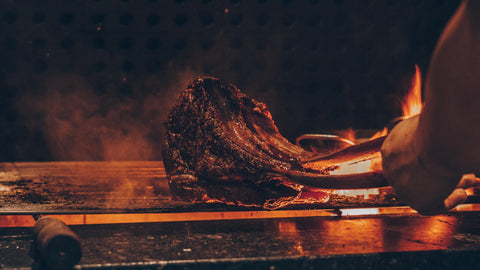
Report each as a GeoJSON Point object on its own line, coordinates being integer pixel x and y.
{"type": "Point", "coordinates": [368, 235]}
{"type": "Point", "coordinates": [288, 228]}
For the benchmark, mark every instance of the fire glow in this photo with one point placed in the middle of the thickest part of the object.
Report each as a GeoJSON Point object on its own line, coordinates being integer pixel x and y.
{"type": "Point", "coordinates": [411, 106]}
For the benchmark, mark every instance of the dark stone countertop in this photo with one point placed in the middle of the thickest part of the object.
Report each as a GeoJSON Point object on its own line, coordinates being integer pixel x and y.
{"type": "Point", "coordinates": [381, 242]}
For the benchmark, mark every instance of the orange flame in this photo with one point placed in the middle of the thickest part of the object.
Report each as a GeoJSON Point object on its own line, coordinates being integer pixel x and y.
{"type": "Point", "coordinates": [380, 133]}
{"type": "Point", "coordinates": [412, 104]}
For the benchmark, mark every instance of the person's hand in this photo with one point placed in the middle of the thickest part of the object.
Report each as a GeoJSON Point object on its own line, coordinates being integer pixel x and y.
{"type": "Point", "coordinates": [459, 195]}
{"type": "Point", "coordinates": [420, 183]}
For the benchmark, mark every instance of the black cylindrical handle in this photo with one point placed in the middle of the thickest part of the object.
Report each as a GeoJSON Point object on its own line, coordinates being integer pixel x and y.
{"type": "Point", "coordinates": [55, 244]}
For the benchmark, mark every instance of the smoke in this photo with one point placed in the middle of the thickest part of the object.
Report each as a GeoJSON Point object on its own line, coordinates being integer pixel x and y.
{"type": "Point", "coordinates": [78, 123]}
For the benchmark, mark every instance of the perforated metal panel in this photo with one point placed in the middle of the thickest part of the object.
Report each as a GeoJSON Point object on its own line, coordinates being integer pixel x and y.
{"type": "Point", "coordinates": [94, 79]}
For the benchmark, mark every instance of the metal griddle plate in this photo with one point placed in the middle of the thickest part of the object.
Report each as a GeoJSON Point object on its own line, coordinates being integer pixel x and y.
{"type": "Point", "coordinates": [84, 186]}
{"type": "Point", "coordinates": [115, 187]}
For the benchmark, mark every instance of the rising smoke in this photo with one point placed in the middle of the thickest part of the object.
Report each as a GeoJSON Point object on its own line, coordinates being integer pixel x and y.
{"type": "Point", "coordinates": [79, 123]}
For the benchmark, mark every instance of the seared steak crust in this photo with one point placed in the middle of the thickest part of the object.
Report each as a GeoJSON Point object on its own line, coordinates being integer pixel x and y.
{"type": "Point", "coordinates": [224, 146]}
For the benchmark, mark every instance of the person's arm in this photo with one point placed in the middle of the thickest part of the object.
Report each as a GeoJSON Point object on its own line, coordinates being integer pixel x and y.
{"type": "Point", "coordinates": [449, 128]}
{"type": "Point", "coordinates": [424, 157]}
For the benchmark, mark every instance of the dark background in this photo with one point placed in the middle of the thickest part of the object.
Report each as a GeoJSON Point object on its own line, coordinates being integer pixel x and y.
{"type": "Point", "coordinates": [94, 79]}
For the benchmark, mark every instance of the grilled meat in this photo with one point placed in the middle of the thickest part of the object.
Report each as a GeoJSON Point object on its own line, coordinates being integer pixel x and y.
{"type": "Point", "coordinates": [224, 146]}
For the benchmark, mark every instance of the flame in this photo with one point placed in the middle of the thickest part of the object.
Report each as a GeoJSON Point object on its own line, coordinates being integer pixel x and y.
{"type": "Point", "coordinates": [412, 104]}
{"type": "Point", "coordinates": [380, 133]}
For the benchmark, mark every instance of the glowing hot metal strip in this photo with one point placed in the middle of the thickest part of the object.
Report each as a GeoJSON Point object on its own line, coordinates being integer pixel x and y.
{"type": "Point", "coordinates": [80, 219]}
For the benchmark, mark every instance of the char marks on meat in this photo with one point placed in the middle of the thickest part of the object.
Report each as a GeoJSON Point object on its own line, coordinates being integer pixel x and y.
{"type": "Point", "coordinates": [223, 146]}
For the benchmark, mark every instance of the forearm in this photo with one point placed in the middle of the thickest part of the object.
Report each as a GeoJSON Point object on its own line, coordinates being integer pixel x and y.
{"type": "Point", "coordinates": [449, 127]}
